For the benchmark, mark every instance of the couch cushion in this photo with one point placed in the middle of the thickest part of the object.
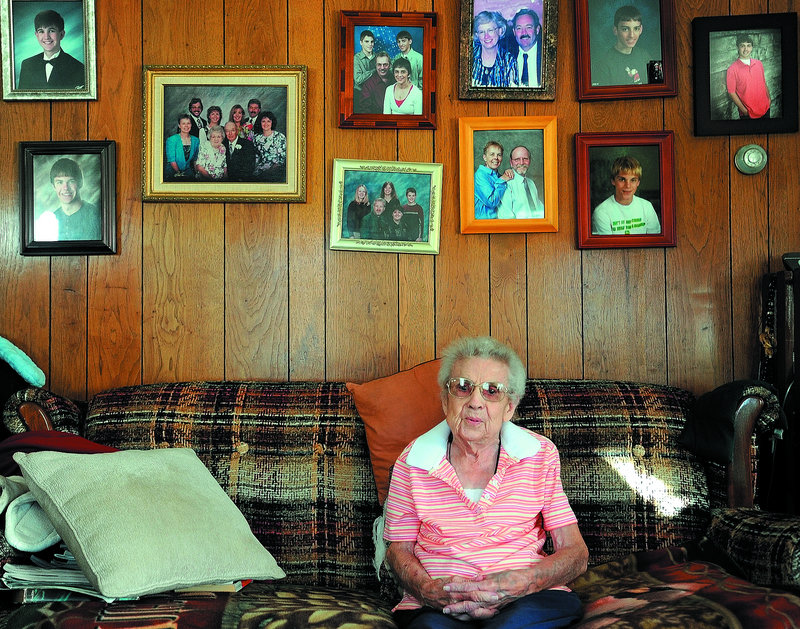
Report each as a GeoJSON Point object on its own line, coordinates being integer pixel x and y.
{"type": "Point", "coordinates": [666, 588]}
{"type": "Point", "coordinates": [267, 605]}
{"type": "Point", "coordinates": [630, 483]}
{"type": "Point", "coordinates": [397, 409]}
{"type": "Point", "coordinates": [291, 455]}
{"type": "Point", "coordinates": [142, 522]}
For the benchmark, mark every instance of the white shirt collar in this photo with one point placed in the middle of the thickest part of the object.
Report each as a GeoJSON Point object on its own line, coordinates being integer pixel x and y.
{"type": "Point", "coordinates": [430, 448]}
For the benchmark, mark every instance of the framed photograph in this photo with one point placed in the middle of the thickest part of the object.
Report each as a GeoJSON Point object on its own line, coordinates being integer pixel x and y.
{"type": "Point", "coordinates": [508, 49]}
{"type": "Point", "coordinates": [49, 50]}
{"type": "Point", "coordinates": [626, 190]}
{"type": "Point", "coordinates": [68, 192]}
{"type": "Point", "coordinates": [387, 67]}
{"type": "Point", "coordinates": [626, 50]}
{"type": "Point", "coordinates": [386, 206]}
{"type": "Point", "coordinates": [224, 133]}
{"type": "Point", "coordinates": [745, 74]}
{"type": "Point", "coordinates": [509, 176]}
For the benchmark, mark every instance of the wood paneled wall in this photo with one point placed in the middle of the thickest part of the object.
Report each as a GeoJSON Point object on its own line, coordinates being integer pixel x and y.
{"type": "Point", "coordinates": [253, 291]}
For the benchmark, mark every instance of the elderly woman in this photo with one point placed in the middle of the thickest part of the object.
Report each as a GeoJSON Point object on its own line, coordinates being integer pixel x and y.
{"type": "Point", "coordinates": [211, 160]}
{"type": "Point", "coordinates": [403, 97]}
{"type": "Point", "coordinates": [492, 66]}
{"type": "Point", "coordinates": [181, 150]}
{"type": "Point", "coordinates": [471, 502]}
{"type": "Point", "coordinates": [270, 148]}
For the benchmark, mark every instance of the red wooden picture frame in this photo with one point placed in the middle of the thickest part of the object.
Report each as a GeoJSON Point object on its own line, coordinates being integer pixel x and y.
{"type": "Point", "coordinates": [595, 36]}
{"type": "Point", "coordinates": [595, 154]}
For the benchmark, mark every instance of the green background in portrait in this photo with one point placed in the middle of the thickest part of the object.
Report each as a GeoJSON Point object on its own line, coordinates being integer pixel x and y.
{"type": "Point", "coordinates": [374, 182]}
{"type": "Point", "coordinates": [601, 159]}
{"type": "Point", "coordinates": [25, 42]}
{"type": "Point", "coordinates": [176, 102]}
{"type": "Point", "coordinates": [532, 139]}
{"type": "Point", "coordinates": [44, 195]}
{"type": "Point", "coordinates": [601, 26]}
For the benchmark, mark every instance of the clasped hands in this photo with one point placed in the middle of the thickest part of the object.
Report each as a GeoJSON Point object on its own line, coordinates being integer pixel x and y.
{"type": "Point", "coordinates": [479, 597]}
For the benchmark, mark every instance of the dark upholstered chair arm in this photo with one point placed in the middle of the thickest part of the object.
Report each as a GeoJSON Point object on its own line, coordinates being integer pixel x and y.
{"type": "Point", "coordinates": [40, 409]}
{"type": "Point", "coordinates": [763, 546]}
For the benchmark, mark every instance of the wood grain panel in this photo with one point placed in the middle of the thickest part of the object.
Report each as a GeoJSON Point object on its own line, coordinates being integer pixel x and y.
{"type": "Point", "coordinates": [307, 242]}
{"type": "Point", "coordinates": [183, 319]}
{"type": "Point", "coordinates": [416, 309]}
{"type": "Point", "coordinates": [68, 279]}
{"type": "Point", "coordinates": [555, 345]}
{"type": "Point", "coordinates": [698, 269]}
{"type": "Point", "coordinates": [749, 258]}
{"type": "Point", "coordinates": [115, 282]}
{"type": "Point", "coordinates": [24, 280]}
{"type": "Point", "coordinates": [256, 294]}
{"type": "Point", "coordinates": [624, 324]}
{"type": "Point", "coordinates": [361, 288]}
{"type": "Point", "coordinates": [462, 266]}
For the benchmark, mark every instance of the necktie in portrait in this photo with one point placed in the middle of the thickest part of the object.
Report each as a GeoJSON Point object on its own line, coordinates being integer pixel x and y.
{"type": "Point", "coordinates": [525, 79]}
{"type": "Point", "coordinates": [531, 202]}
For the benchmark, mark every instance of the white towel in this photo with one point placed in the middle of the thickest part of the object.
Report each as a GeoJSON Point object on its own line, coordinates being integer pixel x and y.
{"type": "Point", "coordinates": [27, 526]}
{"type": "Point", "coordinates": [10, 488]}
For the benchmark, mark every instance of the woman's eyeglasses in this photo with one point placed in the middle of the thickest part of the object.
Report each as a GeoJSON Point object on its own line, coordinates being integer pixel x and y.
{"type": "Point", "coordinates": [463, 388]}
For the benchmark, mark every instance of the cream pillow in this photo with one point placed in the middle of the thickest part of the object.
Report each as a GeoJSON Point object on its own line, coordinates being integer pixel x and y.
{"type": "Point", "coordinates": [145, 521]}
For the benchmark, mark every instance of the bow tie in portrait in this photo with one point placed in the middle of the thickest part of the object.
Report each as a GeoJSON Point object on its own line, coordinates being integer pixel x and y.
{"type": "Point", "coordinates": [54, 60]}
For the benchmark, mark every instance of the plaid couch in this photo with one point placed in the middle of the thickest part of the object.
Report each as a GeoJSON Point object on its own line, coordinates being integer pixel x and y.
{"type": "Point", "coordinates": [665, 549]}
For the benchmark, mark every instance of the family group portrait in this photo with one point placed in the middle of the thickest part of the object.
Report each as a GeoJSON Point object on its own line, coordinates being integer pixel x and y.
{"type": "Point", "coordinates": [48, 45]}
{"type": "Point", "coordinates": [225, 133]}
{"type": "Point", "coordinates": [507, 43]}
{"type": "Point", "coordinates": [386, 206]}
{"type": "Point", "coordinates": [388, 70]}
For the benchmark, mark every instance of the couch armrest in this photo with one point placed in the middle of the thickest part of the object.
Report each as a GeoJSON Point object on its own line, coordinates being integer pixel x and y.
{"type": "Point", "coordinates": [40, 409]}
{"type": "Point", "coordinates": [764, 546]}
{"type": "Point", "coordinates": [726, 425]}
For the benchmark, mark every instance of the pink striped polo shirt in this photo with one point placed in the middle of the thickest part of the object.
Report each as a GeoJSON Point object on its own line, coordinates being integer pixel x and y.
{"type": "Point", "coordinates": [456, 536]}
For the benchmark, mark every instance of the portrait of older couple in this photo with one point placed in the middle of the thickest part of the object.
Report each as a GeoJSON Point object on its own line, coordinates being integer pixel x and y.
{"type": "Point", "coordinates": [509, 174]}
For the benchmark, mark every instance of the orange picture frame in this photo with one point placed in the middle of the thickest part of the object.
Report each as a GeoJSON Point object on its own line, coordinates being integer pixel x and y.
{"type": "Point", "coordinates": [512, 213]}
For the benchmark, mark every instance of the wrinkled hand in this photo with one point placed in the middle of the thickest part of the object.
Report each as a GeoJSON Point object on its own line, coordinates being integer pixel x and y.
{"type": "Point", "coordinates": [484, 596]}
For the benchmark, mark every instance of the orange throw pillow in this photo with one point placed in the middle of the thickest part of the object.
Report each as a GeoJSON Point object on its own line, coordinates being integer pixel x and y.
{"type": "Point", "coordinates": [395, 410]}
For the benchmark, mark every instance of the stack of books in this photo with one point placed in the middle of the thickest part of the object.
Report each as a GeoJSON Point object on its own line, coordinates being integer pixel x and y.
{"type": "Point", "coordinates": [58, 578]}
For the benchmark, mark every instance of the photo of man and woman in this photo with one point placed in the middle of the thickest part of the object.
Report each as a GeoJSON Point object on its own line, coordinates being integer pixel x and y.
{"type": "Point", "coordinates": [226, 133]}
{"type": "Point", "coordinates": [507, 43]}
{"type": "Point", "coordinates": [386, 206]}
{"type": "Point", "coordinates": [509, 174]}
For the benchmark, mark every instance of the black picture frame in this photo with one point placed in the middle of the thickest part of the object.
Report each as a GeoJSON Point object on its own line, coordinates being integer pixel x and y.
{"type": "Point", "coordinates": [776, 35]}
{"type": "Point", "coordinates": [92, 165]}
{"type": "Point", "coordinates": [595, 39]}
